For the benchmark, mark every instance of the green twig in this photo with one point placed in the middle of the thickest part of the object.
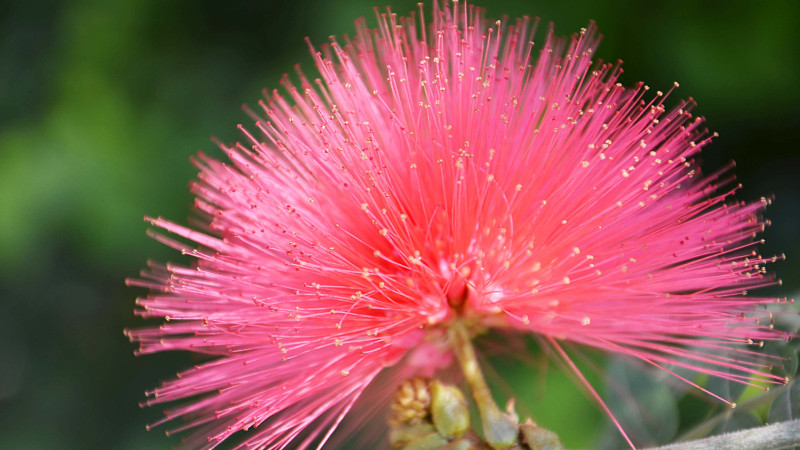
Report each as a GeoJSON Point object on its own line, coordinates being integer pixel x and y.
{"type": "Point", "coordinates": [500, 430]}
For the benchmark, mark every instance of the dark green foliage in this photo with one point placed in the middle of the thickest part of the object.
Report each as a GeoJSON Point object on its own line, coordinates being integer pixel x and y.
{"type": "Point", "coordinates": [787, 405]}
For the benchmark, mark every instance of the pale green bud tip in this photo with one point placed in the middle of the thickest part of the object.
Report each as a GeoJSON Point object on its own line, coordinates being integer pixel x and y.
{"type": "Point", "coordinates": [499, 429]}
{"type": "Point", "coordinates": [537, 438]}
{"type": "Point", "coordinates": [449, 410]}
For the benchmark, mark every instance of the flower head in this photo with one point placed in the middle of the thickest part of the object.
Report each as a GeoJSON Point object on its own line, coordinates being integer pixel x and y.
{"type": "Point", "coordinates": [441, 172]}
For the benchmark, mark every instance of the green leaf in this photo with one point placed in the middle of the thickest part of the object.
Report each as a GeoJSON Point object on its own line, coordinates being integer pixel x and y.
{"type": "Point", "coordinates": [725, 388]}
{"type": "Point", "coordinates": [787, 405]}
{"type": "Point", "coordinates": [737, 420]}
{"type": "Point", "coordinates": [787, 366]}
{"type": "Point", "coordinates": [644, 404]}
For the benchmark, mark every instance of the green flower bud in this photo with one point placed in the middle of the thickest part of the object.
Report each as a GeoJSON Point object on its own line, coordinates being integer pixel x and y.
{"type": "Point", "coordinates": [537, 438]}
{"type": "Point", "coordinates": [449, 410]}
{"type": "Point", "coordinates": [429, 442]}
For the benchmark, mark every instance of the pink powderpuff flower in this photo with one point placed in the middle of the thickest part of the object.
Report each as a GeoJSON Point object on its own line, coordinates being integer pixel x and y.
{"type": "Point", "coordinates": [447, 172]}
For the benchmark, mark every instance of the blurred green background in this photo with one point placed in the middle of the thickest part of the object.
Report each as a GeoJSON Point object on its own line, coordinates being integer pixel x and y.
{"type": "Point", "coordinates": [103, 102]}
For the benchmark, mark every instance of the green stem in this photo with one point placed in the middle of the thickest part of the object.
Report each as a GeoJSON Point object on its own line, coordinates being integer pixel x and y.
{"type": "Point", "coordinates": [500, 430]}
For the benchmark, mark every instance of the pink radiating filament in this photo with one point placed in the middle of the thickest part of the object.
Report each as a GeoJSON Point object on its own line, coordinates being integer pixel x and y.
{"type": "Point", "coordinates": [443, 171]}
